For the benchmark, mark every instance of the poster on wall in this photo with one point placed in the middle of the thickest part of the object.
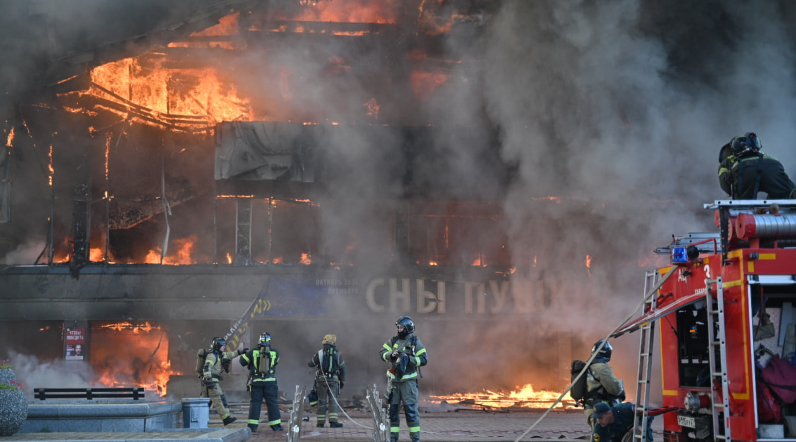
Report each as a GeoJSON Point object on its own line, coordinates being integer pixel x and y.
{"type": "Point", "coordinates": [75, 342]}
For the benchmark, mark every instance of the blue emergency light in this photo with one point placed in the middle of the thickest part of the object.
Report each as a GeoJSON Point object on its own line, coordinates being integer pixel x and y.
{"type": "Point", "coordinates": [679, 255]}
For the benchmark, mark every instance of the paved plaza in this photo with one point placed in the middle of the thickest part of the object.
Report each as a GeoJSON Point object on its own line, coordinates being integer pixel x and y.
{"type": "Point", "coordinates": [455, 425]}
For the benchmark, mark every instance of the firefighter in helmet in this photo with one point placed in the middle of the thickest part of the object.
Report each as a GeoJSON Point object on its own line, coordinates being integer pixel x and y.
{"type": "Point", "coordinates": [329, 379]}
{"type": "Point", "coordinates": [216, 360]}
{"type": "Point", "coordinates": [744, 171]}
{"type": "Point", "coordinates": [406, 354]}
{"type": "Point", "coordinates": [601, 384]}
{"type": "Point", "coordinates": [262, 361]}
{"type": "Point", "coordinates": [612, 423]}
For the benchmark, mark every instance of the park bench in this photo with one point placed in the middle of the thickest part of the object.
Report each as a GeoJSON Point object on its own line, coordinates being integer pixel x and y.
{"type": "Point", "coordinates": [134, 393]}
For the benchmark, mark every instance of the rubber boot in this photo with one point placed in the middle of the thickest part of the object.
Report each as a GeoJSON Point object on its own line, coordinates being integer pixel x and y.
{"type": "Point", "coordinates": [228, 420]}
{"type": "Point", "coordinates": [253, 428]}
{"type": "Point", "coordinates": [320, 424]}
{"type": "Point", "coordinates": [277, 427]}
{"type": "Point", "coordinates": [335, 424]}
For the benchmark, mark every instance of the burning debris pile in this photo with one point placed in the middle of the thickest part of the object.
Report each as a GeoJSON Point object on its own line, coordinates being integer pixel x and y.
{"type": "Point", "coordinates": [523, 398]}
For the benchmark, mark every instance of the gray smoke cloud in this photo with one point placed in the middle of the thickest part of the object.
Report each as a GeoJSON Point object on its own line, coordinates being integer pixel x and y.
{"type": "Point", "coordinates": [610, 113]}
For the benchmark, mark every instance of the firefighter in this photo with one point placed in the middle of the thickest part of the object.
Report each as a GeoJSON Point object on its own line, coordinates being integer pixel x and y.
{"type": "Point", "coordinates": [216, 359]}
{"type": "Point", "coordinates": [601, 384]}
{"type": "Point", "coordinates": [262, 361]}
{"type": "Point", "coordinates": [744, 171]}
{"type": "Point", "coordinates": [612, 423]}
{"type": "Point", "coordinates": [329, 380]}
{"type": "Point", "coordinates": [406, 355]}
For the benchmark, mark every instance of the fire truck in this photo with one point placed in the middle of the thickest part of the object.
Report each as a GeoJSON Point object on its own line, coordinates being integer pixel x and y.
{"type": "Point", "coordinates": [714, 349]}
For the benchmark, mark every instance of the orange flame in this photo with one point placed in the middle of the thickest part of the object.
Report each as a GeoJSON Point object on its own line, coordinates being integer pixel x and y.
{"type": "Point", "coordinates": [184, 248]}
{"type": "Point", "coordinates": [305, 259]}
{"type": "Point", "coordinates": [143, 363]}
{"type": "Point", "coordinates": [523, 397]}
{"type": "Point", "coordinates": [153, 94]}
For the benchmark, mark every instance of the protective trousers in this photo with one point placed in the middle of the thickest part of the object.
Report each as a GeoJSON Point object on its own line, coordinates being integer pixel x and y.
{"type": "Point", "coordinates": [328, 388]}
{"type": "Point", "coordinates": [213, 391]}
{"type": "Point", "coordinates": [270, 392]}
{"type": "Point", "coordinates": [404, 392]}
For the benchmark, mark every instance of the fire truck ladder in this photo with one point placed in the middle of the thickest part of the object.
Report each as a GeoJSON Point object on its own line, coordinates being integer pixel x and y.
{"type": "Point", "coordinates": [718, 355]}
{"type": "Point", "coordinates": [645, 358]}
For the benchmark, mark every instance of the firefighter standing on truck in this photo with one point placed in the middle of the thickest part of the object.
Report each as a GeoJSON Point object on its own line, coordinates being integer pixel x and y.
{"type": "Point", "coordinates": [262, 361]}
{"type": "Point", "coordinates": [216, 359]}
{"type": "Point", "coordinates": [744, 171]}
{"type": "Point", "coordinates": [406, 355]}
{"type": "Point", "coordinates": [329, 379]}
{"type": "Point", "coordinates": [601, 383]}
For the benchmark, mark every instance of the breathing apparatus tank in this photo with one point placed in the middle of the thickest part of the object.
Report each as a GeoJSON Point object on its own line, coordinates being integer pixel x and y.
{"type": "Point", "coordinates": [264, 364]}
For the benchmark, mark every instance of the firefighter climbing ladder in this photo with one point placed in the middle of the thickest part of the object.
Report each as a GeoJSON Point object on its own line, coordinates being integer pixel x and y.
{"type": "Point", "coordinates": [718, 350]}
{"type": "Point", "coordinates": [645, 359]}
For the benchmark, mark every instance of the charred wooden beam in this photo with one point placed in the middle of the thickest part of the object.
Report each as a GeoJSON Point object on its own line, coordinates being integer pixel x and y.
{"type": "Point", "coordinates": [243, 231]}
{"type": "Point", "coordinates": [81, 228]}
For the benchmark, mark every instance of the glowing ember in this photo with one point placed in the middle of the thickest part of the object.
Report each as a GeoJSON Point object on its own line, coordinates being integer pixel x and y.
{"type": "Point", "coordinates": [119, 326]}
{"type": "Point", "coordinates": [10, 138]}
{"type": "Point", "coordinates": [524, 397]}
{"type": "Point", "coordinates": [424, 83]}
{"type": "Point", "coordinates": [348, 11]}
{"type": "Point", "coordinates": [373, 108]}
{"type": "Point", "coordinates": [226, 26]}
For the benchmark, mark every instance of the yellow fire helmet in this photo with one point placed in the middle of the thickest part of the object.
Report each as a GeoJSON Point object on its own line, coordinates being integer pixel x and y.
{"type": "Point", "coordinates": [329, 339]}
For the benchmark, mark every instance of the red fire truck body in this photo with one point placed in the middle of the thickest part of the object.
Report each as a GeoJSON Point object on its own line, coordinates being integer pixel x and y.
{"type": "Point", "coordinates": [707, 306]}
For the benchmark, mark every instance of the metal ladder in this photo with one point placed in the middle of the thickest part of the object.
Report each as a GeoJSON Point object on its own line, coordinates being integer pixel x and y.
{"type": "Point", "coordinates": [645, 360]}
{"type": "Point", "coordinates": [718, 343]}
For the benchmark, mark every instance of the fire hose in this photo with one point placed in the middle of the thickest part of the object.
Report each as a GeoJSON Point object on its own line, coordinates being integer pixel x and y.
{"type": "Point", "coordinates": [597, 350]}
{"type": "Point", "coordinates": [334, 398]}
{"type": "Point", "coordinates": [585, 368]}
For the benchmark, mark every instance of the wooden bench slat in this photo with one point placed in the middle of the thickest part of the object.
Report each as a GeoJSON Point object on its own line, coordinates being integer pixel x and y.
{"type": "Point", "coordinates": [89, 393]}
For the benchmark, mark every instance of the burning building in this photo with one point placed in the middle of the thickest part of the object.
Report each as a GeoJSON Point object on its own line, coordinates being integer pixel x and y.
{"type": "Point", "coordinates": [313, 167]}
